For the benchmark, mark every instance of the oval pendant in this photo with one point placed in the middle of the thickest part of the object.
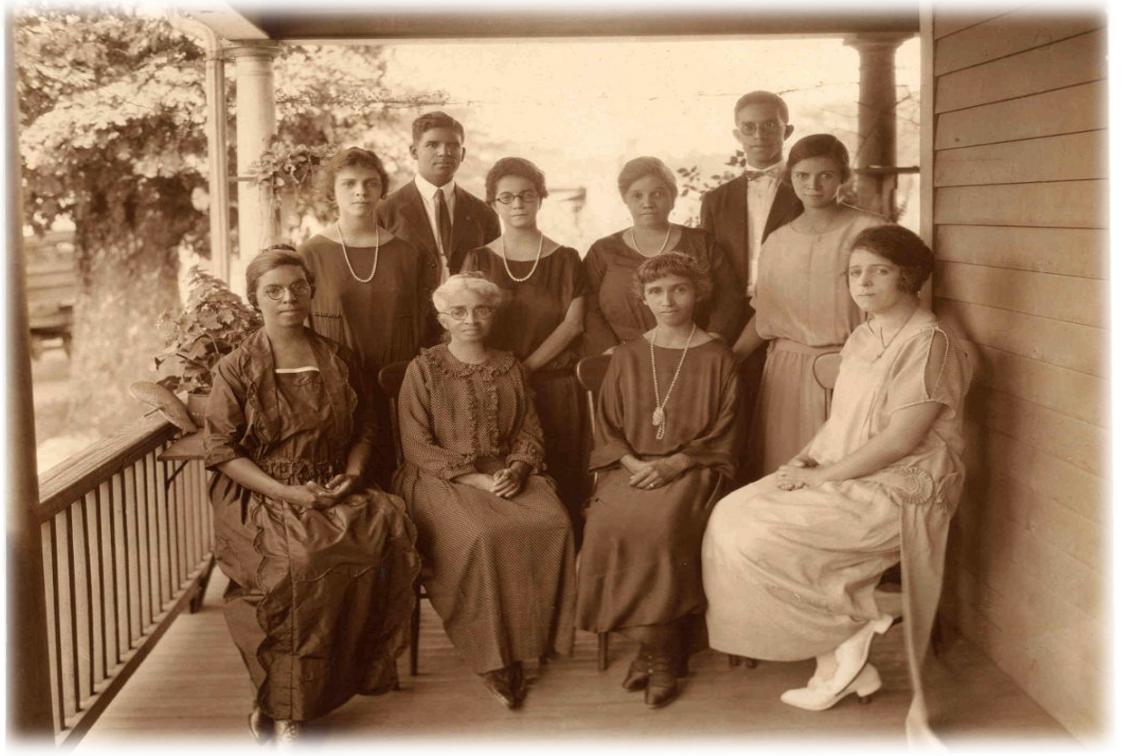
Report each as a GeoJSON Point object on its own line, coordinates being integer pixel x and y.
{"type": "Point", "coordinates": [657, 416]}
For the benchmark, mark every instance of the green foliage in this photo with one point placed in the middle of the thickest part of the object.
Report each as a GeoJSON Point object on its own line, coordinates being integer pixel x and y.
{"type": "Point", "coordinates": [212, 324]}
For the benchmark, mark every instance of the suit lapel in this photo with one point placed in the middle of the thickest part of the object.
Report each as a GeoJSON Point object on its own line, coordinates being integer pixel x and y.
{"type": "Point", "coordinates": [413, 210]}
{"type": "Point", "coordinates": [463, 225]}
{"type": "Point", "coordinates": [737, 211]}
{"type": "Point", "coordinates": [786, 207]}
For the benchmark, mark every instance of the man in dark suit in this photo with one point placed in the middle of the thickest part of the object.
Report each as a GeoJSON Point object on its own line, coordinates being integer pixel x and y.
{"type": "Point", "coordinates": [438, 218]}
{"type": "Point", "coordinates": [744, 211]}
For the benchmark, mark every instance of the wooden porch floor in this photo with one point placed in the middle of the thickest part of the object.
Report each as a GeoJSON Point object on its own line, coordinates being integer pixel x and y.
{"type": "Point", "coordinates": [193, 685]}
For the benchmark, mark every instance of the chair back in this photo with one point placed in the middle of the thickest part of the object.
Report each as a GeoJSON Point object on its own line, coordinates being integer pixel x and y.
{"type": "Point", "coordinates": [591, 372]}
{"type": "Point", "coordinates": [390, 381]}
{"type": "Point", "coordinates": [825, 369]}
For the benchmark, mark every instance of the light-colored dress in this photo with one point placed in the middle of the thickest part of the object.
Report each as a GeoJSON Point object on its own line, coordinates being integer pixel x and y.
{"type": "Point", "coordinates": [803, 307]}
{"type": "Point", "coordinates": [791, 574]}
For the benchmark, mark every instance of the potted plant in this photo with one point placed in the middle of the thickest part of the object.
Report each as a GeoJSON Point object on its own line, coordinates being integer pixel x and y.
{"type": "Point", "coordinates": [211, 324]}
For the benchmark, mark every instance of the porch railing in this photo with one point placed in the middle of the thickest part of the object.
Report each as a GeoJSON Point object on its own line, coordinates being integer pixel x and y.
{"type": "Point", "coordinates": [127, 545]}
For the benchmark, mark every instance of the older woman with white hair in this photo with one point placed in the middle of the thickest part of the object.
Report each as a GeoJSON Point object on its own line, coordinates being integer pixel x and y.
{"type": "Point", "coordinates": [490, 524]}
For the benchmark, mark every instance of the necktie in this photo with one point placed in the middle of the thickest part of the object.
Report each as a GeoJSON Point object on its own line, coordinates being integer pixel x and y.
{"type": "Point", "coordinates": [772, 173]}
{"type": "Point", "coordinates": [444, 225]}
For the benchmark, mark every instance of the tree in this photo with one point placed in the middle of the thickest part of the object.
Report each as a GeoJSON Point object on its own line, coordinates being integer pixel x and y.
{"type": "Point", "coordinates": [112, 113]}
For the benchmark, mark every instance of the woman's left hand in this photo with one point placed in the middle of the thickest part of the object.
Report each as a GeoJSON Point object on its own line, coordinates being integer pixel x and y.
{"type": "Point", "coordinates": [509, 481]}
{"type": "Point", "coordinates": [792, 477]}
{"type": "Point", "coordinates": [342, 485]}
{"type": "Point", "coordinates": [655, 473]}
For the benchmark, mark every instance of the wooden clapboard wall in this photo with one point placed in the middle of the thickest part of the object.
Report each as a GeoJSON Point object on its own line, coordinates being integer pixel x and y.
{"type": "Point", "coordinates": [1018, 185]}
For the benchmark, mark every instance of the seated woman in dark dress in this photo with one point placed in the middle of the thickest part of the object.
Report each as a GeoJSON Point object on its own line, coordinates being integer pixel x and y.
{"type": "Point", "coordinates": [321, 566]}
{"type": "Point", "coordinates": [612, 315]}
{"type": "Point", "coordinates": [489, 523]}
{"type": "Point", "coordinates": [370, 294]}
{"type": "Point", "coordinates": [664, 448]}
{"type": "Point", "coordinates": [544, 289]}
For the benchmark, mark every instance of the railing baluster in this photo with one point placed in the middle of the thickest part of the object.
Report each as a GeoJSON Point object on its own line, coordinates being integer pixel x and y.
{"type": "Point", "coordinates": [192, 515]}
{"type": "Point", "coordinates": [121, 566]}
{"type": "Point", "coordinates": [132, 548]}
{"type": "Point", "coordinates": [97, 597]}
{"type": "Point", "coordinates": [108, 574]}
{"type": "Point", "coordinates": [68, 655]}
{"type": "Point", "coordinates": [80, 572]}
{"type": "Point", "coordinates": [205, 507]}
{"type": "Point", "coordinates": [50, 582]}
{"type": "Point", "coordinates": [144, 535]}
{"type": "Point", "coordinates": [164, 586]}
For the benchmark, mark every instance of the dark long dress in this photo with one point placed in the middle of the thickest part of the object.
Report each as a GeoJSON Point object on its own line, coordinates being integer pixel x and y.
{"type": "Point", "coordinates": [320, 599]}
{"type": "Point", "coordinates": [613, 314]}
{"type": "Point", "coordinates": [640, 562]}
{"type": "Point", "coordinates": [532, 310]}
{"type": "Point", "coordinates": [381, 320]}
{"type": "Point", "coordinates": [503, 569]}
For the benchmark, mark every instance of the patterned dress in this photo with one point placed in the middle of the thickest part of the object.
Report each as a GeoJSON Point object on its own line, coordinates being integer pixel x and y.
{"type": "Point", "coordinates": [791, 574]}
{"type": "Point", "coordinates": [319, 599]}
{"type": "Point", "coordinates": [805, 309]}
{"type": "Point", "coordinates": [381, 320]}
{"type": "Point", "coordinates": [503, 569]}
{"type": "Point", "coordinates": [532, 310]}
{"type": "Point", "coordinates": [613, 314]}
{"type": "Point", "coordinates": [640, 561]}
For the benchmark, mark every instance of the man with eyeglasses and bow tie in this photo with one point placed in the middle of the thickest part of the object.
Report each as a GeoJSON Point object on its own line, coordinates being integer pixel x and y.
{"type": "Point", "coordinates": [743, 212]}
{"type": "Point", "coordinates": [440, 219]}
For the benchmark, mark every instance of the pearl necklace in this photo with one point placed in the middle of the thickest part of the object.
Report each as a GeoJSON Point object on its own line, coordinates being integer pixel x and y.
{"type": "Point", "coordinates": [663, 246]}
{"type": "Point", "coordinates": [659, 417]}
{"type": "Point", "coordinates": [538, 256]}
{"type": "Point", "coordinates": [348, 261]}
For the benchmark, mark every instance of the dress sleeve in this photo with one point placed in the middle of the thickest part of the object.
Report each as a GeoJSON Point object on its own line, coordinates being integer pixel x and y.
{"type": "Point", "coordinates": [599, 335]}
{"type": "Point", "coordinates": [527, 437]}
{"type": "Point", "coordinates": [415, 423]}
{"type": "Point", "coordinates": [609, 442]}
{"type": "Point", "coordinates": [715, 447]}
{"type": "Point", "coordinates": [579, 280]}
{"type": "Point", "coordinates": [727, 297]}
{"type": "Point", "coordinates": [926, 370]}
{"type": "Point", "coordinates": [225, 423]}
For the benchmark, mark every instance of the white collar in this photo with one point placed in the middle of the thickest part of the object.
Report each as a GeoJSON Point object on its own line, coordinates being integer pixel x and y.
{"type": "Point", "coordinates": [427, 189]}
{"type": "Point", "coordinates": [777, 166]}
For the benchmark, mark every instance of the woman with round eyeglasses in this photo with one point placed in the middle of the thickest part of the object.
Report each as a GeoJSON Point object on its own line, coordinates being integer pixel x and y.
{"type": "Point", "coordinates": [544, 288]}
{"type": "Point", "coordinates": [801, 305]}
{"type": "Point", "coordinates": [321, 567]}
{"type": "Point", "coordinates": [612, 316]}
{"type": "Point", "coordinates": [371, 297]}
{"type": "Point", "coordinates": [489, 522]}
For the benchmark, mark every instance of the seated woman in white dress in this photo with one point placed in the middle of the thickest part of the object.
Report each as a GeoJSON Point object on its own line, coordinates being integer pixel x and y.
{"type": "Point", "coordinates": [790, 563]}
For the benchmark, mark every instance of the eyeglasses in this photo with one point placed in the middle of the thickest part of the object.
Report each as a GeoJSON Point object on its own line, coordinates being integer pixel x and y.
{"type": "Point", "coordinates": [768, 127]}
{"type": "Point", "coordinates": [277, 291]}
{"type": "Point", "coordinates": [527, 195]}
{"type": "Point", "coordinates": [460, 313]}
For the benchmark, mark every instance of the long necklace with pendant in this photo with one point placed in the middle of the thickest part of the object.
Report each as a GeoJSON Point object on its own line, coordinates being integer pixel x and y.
{"type": "Point", "coordinates": [659, 417]}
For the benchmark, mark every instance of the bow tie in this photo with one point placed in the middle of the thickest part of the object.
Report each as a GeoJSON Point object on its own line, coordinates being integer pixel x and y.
{"type": "Point", "coordinates": [771, 173]}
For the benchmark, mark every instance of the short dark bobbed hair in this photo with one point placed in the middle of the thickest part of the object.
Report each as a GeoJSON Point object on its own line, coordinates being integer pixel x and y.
{"type": "Point", "coordinates": [819, 145]}
{"type": "Point", "coordinates": [436, 119]}
{"type": "Point", "coordinates": [352, 157]}
{"type": "Point", "coordinates": [638, 168]}
{"type": "Point", "coordinates": [761, 97]}
{"type": "Point", "coordinates": [513, 166]}
{"type": "Point", "coordinates": [271, 258]}
{"type": "Point", "coordinates": [672, 264]}
{"type": "Point", "coordinates": [903, 248]}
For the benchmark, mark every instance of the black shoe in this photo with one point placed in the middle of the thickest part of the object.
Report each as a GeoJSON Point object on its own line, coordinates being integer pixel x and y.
{"type": "Point", "coordinates": [518, 683]}
{"type": "Point", "coordinates": [498, 683]}
{"type": "Point", "coordinates": [638, 672]}
{"type": "Point", "coordinates": [663, 685]}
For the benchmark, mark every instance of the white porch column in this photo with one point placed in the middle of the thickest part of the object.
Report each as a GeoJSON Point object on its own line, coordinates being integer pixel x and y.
{"type": "Point", "coordinates": [878, 135]}
{"type": "Point", "coordinates": [255, 124]}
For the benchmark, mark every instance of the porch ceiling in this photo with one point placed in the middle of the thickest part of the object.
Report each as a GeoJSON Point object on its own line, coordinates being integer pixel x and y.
{"type": "Point", "coordinates": [337, 23]}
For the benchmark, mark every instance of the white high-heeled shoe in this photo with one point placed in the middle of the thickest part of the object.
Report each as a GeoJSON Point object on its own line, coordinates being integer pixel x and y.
{"type": "Point", "coordinates": [853, 653]}
{"type": "Point", "coordinates": [820, 697]}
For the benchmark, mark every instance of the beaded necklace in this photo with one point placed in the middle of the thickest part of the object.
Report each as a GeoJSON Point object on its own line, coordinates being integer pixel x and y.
{"type": "Point", "coordinates": [348, 261]}
{"type": "Point", "coordinates": [659, 417]}
{"type": "Point", "coordinates": [538, 256]}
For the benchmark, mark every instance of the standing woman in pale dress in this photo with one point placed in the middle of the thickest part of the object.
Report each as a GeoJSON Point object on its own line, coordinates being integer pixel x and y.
{"type": "Point", "coordinates": [801, 303]}
{"type": "Point", "coordinates": [613, 315]}
{"type": "Point", "coordinates": [664, 445]}
{"type": "Point", "coordinates": [370, 292]}
{"type": "Point", "coordinates": [544, 288]}
{"type": "Point", "coordinates": [791, 562]}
